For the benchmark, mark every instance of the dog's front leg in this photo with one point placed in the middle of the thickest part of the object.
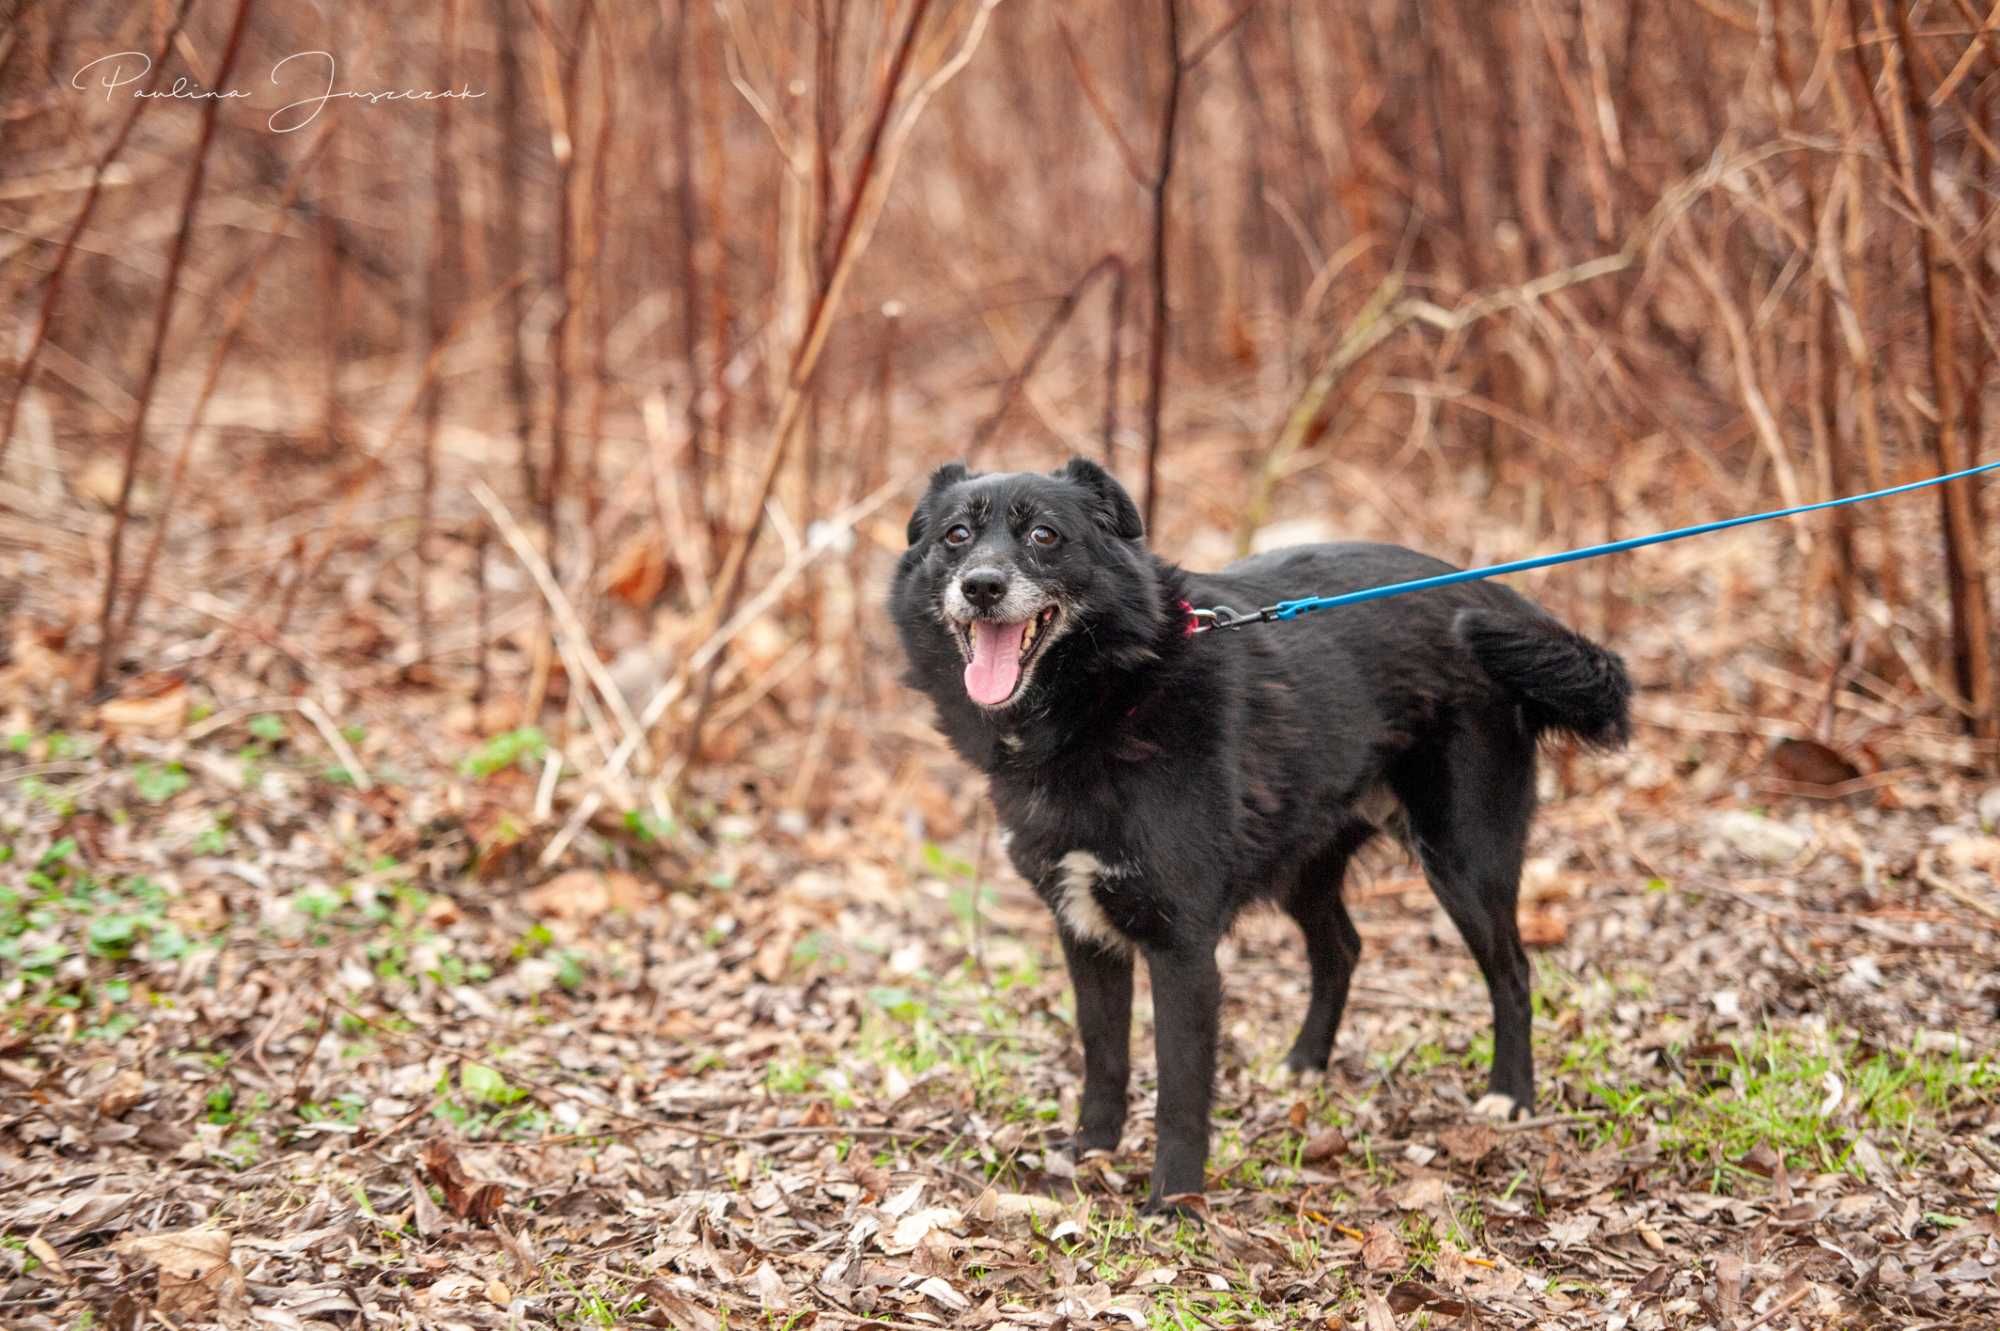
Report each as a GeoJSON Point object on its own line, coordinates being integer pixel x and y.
{"type": "Point", "coordinates": [1102, 978]}
{"type": "Point", "coordinates": [1187, 999]}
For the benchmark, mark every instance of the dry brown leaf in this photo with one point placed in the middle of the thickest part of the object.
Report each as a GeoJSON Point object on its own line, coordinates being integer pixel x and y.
{"type": "Point", "coordinates": [1421, 1194]}
{"type": "Point", "coordinates": [196, 1275]}
{"type": "Point", "coordinates": [912, 1228]}
{"type": "Point", "coordinates": [162, 713]}
{"type": "Point", "coordinates": [939, 1291]}
{"type": "Point", "coordinates": [429, 1220]}
{"type": "Point", "coordinates": [468, 1200]}
{"type": "Point", "coordinates": [127, 1089]}
{"type": "Point", "coordinates": [1807, 762]}
{"type": "Point", "coordinates": [637, 574]}
{"type": "Point", "coordinates": [769, 1287]}
{"type": "Point", "coordinates": [1015, 1208]}
{"type": "Point", "coordinates": [1982, 852]}
{"type": "Point", "coordinates": [1381, 1249]}
{"type": "Point", "coordinates": [1543, 926]}
{"type": "Point", "coordinates": [1324, 1146]}
{"type": "Point", "coordinates": [582, 895]}
{"type": "Point", "coordinates": [1468, 1143]}
{"type": "Point", "coordinates": [45, 1253]}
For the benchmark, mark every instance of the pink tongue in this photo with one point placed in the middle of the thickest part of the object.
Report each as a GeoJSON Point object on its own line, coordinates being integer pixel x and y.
{"type": "Point", "coordinates": [996, 661]}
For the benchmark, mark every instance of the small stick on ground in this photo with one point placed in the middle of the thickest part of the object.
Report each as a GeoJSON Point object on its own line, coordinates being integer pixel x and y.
{"type": "Point", "coordinates": [343, 753]}
{"type": "Point", "coordinates": [559, 605]}
{"type": "Point", "coordinates": [483, 595]}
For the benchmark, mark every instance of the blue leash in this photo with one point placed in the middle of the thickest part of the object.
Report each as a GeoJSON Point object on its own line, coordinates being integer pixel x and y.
{"type": "Point", "coordinates": [1222, 617]}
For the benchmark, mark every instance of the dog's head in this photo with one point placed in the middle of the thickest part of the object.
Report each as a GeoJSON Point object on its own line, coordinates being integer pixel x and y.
{"type": "Point", "coordinates": [1020, 575]}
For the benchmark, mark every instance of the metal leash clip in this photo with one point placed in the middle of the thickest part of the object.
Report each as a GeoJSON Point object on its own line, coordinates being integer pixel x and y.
{"type": "Point", "coordinates": [1223, 617]}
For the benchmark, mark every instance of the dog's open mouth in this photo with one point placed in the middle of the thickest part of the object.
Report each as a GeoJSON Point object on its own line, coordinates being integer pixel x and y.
{"type": "Point", "coordinates": [998, 655]}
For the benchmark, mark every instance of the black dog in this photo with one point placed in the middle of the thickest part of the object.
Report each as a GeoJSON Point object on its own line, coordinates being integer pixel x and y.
{"type": "Point", "coordinates": [1154, 782]}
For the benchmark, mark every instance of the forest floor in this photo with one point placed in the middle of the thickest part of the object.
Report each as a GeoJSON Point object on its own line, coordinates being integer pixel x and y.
{"type": "Point", "coordinates": [293, 1035]}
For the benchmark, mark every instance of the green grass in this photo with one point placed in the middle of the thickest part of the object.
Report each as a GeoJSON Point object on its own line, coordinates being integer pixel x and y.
{"type": "Point", "coordinates": [522, 749]}
{"type": "Point", "coordinates": [57, 912]}
{"type": "Point", "coordinates": [481, 1102]}
{"type": "Point", "coordinates": [156, 783]}
{"type": "Point", "coordinates": [1769, 1090]}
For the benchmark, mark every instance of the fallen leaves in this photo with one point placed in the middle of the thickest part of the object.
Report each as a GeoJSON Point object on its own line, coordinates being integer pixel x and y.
{"type": "Point", "coordinates": [39, 1247]}
{"type": "Point", "coordinates": [1807, 762]}
{"type": "Point", "coordinates": [478, 1202]}
{"type": "Point", "coordinates": [1323, 1146]}
{"type": "Point", "coordinates": [196, 1275]}
{"type": "Point", "coordinates": [1016, 1209]}
{"type": "Point", "coordinates": [1468, 1143]}
{"type": "Point", "coordinates": [783, 1093]}
{"type": "Point", "coordinates": [582, 896]}
{"type": "Point", "coordinates": [127, 1088]}
{"type": "Point", "coordinates": [1382, 1249]}
{"type": "Point", "coordinates": [1766, 841]}
{"type": "Point", "coordinates": [941, 1293]}
{"type": "Point", "coordinates": [912, 1228]}
{"type": "Point", "coordinates": [160, 713]}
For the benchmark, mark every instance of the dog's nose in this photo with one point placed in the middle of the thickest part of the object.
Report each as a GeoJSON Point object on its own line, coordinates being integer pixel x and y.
{"type": "Point", "coordinates": [984, 587]}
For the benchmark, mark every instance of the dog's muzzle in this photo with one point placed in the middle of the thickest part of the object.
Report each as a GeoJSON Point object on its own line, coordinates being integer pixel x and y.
{"type": "Point", "coordinates": [1001, 622]}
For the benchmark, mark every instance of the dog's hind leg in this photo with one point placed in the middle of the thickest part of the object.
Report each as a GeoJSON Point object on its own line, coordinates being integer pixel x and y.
{"type": "Point", "coordinates": [1332, 948]}
{"type": "Point", "coordinates": [1469, 803]}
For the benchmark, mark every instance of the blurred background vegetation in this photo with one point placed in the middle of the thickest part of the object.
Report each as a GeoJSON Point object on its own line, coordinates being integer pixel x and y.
{"type": "Point", "coordinates": [587, 403]}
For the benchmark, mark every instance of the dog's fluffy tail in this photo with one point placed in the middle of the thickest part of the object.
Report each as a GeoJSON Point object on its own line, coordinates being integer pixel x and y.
{"type": "Point", "coordinates": [1564, 681]}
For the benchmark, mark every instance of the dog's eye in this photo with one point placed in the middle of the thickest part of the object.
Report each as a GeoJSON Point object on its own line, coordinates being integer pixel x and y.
{"type": "Point", "coordinates": [1044, 536]}
{"type": "Point", "coordinates": [957, 534]}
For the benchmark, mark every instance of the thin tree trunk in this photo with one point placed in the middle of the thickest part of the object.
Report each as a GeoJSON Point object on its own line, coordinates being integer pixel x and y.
{"type": "Point", "coordinates": [1822, 397]}
{"type": "Point", "coordinates": [440, 293]}
{"type": "Point", "coordinates": [687, 211]}
{"type": "Point", "coordinates": [24, 376]}
{"type": "Point", "coordinates": [1163, 170]}
{"type": "Point", "coordinates": [1972, 644]}
{"type": "Point", "coordinates": [721, 400]}
{"type": "Point", "coordinates": [163, 316]}
{"type": "Point", "coordinates": [510, 247]}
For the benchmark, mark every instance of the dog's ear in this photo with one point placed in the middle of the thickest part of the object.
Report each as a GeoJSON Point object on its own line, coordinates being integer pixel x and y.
{"type": "Point", "coordinates": [1114, 508]}
{"type": "Point", "coordinates": [950, 474]}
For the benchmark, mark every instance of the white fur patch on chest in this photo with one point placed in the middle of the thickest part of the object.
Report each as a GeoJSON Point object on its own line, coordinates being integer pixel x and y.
{"type": "Point", "coordinates": [1076, 904]}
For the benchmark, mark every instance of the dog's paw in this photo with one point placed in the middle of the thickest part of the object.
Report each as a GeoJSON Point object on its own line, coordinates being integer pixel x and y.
{"type": "Point", "coordinates": [1300, 1068]}
{"type": "Point", "coordinates": [1094, 1146]}
{"type": "Point", "coordinates": [1177, 1206]}
{"type": "Point", "coordinates": [1498, 1107]}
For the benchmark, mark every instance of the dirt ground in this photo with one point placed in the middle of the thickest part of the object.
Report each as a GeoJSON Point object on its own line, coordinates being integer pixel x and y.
{"type": "Point", "coordinates": [299, 1037]}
